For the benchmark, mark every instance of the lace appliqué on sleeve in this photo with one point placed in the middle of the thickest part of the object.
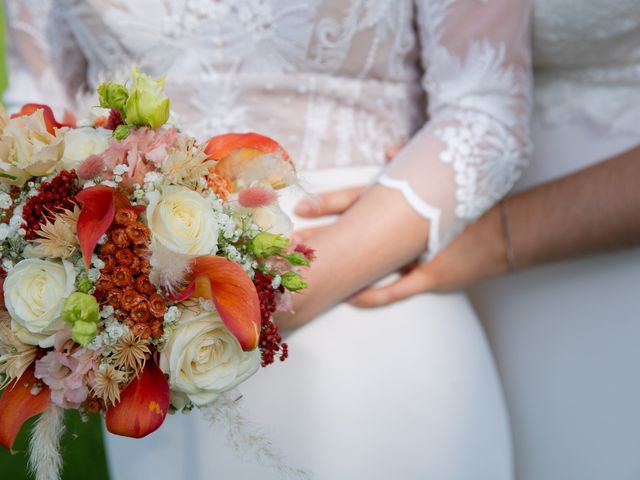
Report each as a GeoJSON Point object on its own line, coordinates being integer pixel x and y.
{"type": "Point", "coordinates": [476, 141]}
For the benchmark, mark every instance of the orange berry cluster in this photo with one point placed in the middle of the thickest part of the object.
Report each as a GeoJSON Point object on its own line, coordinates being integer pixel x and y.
{"type": "Point", "coordinates": [124, 281]}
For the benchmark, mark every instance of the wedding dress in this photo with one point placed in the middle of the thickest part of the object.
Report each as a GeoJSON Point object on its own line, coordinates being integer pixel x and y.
{"type": "Point", "coordinates": [567, 336]}
{"type": "Point", "coordinates": [410, 389]}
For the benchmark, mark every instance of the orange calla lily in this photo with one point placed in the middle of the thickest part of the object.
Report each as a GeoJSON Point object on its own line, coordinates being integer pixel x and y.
{"type": "Point", "coordinates": [49, 119]}
{"type": "Point", "coordinates": [250, 156]}
{"type": "Point", "coordinates": [18, 404]}
{"type": "Point", "coordinates": [143, 404]}
{"type": "Point", "coordinates": [232, 292]}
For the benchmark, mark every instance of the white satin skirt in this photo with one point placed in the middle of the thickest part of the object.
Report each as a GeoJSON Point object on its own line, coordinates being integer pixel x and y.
{"type": "Point", "coordinates": [406, 391]}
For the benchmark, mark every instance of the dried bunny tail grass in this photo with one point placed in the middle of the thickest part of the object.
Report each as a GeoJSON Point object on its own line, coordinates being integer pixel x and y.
{"type": "Point", "coordinates": [168, 269]}
{"type": "Point", "coordinates": [244, 438]}
{"type": "Point", "coordinates": [45, 460]}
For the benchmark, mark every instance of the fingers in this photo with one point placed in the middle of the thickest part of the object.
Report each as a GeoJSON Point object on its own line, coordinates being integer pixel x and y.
{"type": "Point", "coordinates": [302, 236]}
{"type": "Point", "coordinates": [414, 282]}
{"type": "Point", "coordinates": [329, 203]}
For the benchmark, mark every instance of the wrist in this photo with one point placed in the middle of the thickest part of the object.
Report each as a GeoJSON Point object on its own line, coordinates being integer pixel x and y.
{"type": "Point", "coordinates": [500, 258]}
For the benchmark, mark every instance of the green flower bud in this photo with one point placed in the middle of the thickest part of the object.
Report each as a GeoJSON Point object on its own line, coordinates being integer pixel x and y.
{"type": "Point", "coordinates": [147, 104]}
{"type": "Point", "coordinates": [83, 332]}
{"type": "Point", "coordinates": [80, 307]}
{"type": "Point", "coordinates": [121, 132]}
{"type": "Point", "coordinates": [266, 244]}
{"type": "Point", "coordinates": [295, 258]}
{"type": "Point", "coordinates": [83, 284]}
{"type": "Point", "coordinates": [293, 282]}
{"type": "Point", "coordinates": [113, 95]}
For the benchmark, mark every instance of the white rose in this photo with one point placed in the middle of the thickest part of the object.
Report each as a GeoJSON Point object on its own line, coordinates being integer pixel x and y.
{"type": "Point", "coordinates": [27, 149]}
{"type": "Point", "coordinates": [203, 359]}
{"type": "Point", "coordinates": [182, 221]}
{"type": "Point", "coordinates": [80, 143]}
{"type": "Point", "coordinates": [273, 220]}
{"type": "Point", "coordinates": [34, 294]}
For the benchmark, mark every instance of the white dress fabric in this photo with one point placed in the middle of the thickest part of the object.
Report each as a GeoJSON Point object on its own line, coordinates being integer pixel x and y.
{"type": "Point", "coordinates": [410, 388]}
{"type": "Point", "coordinates": [567, 337]}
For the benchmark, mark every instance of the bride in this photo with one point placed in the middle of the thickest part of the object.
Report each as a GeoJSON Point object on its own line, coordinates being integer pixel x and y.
{"type": "Point", "coordinates": [410, 389]}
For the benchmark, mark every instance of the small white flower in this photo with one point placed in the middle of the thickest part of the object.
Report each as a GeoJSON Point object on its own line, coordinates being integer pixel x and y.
{"type": "Point", "coordinates": [172, 315]}
{"type": "Point", "coordinates": [5, 200]}
{"type": "Point", "coordinates": [103, 239]}
{"type": "Point", "coordinates": [97, 342]}
{"type": "Point", "coordinates": [89, 184]}
{"type": "Point", "coordinates": [277, 280]}
{"type": "Point", "coordinates": [7, 264]}
{"type": "Point", "coordinates": [117, 178]}
{"type": "Point", "coordinates": [152, 177]}
{"type": "Point", "coordinates": [109, 183]}
{"type": "Point", "coordinates": [16, 221]}
{"type": "Point", "coordinates": [93, 274]}
{"type": "Point", "coordinates": [5, 230]}
{"type": "Point", "coordinates": [121, 169]}
{"type": "Point", "coordinates": [96, 262]}
{"type": "Point", "coordinates": [113, 331]}
{"type": "Point", "coordinates": [107, 311]}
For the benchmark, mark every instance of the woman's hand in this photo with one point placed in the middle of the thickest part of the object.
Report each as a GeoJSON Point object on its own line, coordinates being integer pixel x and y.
{"type": "Point", "coordinates": [377, 234]}
{"type": "Point", "coordinates": [477, 253]}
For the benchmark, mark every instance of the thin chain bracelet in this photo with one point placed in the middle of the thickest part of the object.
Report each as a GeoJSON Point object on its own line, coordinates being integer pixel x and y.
{"type": "Point", "coordinates": [504, 218]}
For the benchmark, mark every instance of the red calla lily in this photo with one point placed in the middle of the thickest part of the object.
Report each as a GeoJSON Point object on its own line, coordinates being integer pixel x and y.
{"type": "Point", "coordinates": [99, 205]}
{"type": "Point", "coordinates": [143, 404]}
{"type": "Point", "coordinates": [241, 155]}
{"type": "Point", "coordinates": [18, 404]}
{"type": "Point", "coordinates": [49, 118]}
{"type": "Point", "coordinates": [96, 216]}
{"type": "Point", "coordinates": [232, 292]}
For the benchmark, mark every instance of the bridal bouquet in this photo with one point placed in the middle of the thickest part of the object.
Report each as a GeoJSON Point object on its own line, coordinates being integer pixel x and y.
{"type": "Point", "coordinates": [140, 270]}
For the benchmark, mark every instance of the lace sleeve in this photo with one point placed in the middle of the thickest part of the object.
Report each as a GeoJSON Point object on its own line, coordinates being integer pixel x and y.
{"type": "Point", "coordinates": [45, 63]}
{"type": "Point", "coordinates": [476, 55]}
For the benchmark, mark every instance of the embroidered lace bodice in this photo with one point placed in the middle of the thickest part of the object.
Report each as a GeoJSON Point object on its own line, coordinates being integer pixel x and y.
{"type": "Point", "coordinates": [337, 82]}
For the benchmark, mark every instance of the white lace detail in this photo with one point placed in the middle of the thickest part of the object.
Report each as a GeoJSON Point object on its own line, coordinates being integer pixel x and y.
{"type": "Point", "coordinates": [470, 141]}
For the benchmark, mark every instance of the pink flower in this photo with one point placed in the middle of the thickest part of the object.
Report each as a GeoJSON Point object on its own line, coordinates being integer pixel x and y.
{"type": "Point", "coordinates": [90, 168]}
{"type": "Point", "coordinates": [308, 252]}
{"type": "Point", "coordinates": [257, 196]}
{"type": "Point", "coordinates": [68, 373]}
{"type": "Point", "coordinates": [142, 150]}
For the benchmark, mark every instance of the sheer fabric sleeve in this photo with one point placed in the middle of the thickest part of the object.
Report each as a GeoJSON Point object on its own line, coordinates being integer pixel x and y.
{"type": "Point", "coordinates": [472, 149]}
{"type": "Point", "coordinates": [45, 63]}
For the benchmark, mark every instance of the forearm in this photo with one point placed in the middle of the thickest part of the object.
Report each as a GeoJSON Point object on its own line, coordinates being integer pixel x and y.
{"type": "Point", "coordinates": [376, 236]}
{"type": "Point", "coordinates": [591, 211]}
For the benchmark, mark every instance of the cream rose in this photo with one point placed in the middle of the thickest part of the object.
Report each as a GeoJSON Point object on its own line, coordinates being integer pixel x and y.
{"type": "Point", "coordinates": [182, 221]}
{"type": "Point", "coordinates": [273, 220]}
{"type": "Point", "coordinates": [203, 359]}
{"type": "Point", "coordinates": [34, 293]}
{"type": "Point", "coordinates": [80, 143]}
{"type": "Point", "coordinates": [27, 149]}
